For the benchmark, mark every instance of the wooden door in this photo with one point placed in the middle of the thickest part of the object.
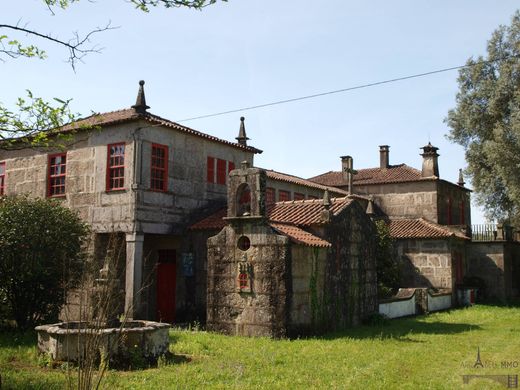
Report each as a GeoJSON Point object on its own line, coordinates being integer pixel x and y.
{"type": "Point", "coordinates": [166, 284]}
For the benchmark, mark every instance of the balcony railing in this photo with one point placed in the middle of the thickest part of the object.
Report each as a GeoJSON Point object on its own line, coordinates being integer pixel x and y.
{"type": "Point", "coordinates": [493, 232]}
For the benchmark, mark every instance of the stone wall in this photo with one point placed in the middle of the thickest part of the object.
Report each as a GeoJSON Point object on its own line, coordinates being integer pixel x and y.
{"type": "Point", "coordinates": [497, 264]}
{"type": "Point", "coordinates": [308, 279]}
{"type": "Point", "coordinates": [261, 310]}
{"type": "Point", "coordinates": [350, 288]}
{"type": "Point", "coordinates": [425, 263]}
{"type": "Point", "coordinates": [404, 200]}
{"type": "Point", "coordinates": [452, 196]}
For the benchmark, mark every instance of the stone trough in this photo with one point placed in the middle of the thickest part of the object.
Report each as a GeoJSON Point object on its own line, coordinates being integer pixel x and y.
{"type": "Point", "coordinates": [69, 341]}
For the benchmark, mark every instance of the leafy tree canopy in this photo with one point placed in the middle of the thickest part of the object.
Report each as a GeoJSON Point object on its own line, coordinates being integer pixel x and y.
{"type": "Point", "coordinates": [486, 122]}
{"type": "Point", "coordinates": [34, 116]}
{"type": "Point", "coordinates": [42, 256]}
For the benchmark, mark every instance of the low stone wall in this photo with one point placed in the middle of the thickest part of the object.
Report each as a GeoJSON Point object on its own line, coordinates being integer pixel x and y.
{"type": "Point", "coordinates": [413, 301]}
{"type": "Point", "coordinates": [439, 301]}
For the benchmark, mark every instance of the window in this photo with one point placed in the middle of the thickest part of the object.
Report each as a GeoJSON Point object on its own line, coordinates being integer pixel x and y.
{"type": "Point", "coordinates": [312, 197]}
{"type": "Point", "coordinates": [211, 170]}
{"type": "Point", "coordinates": [56, 175]}
{"type": "Point", "coordinates": [243, 281]}
{"type": "Point", "coordinates": [298, 196]}
{"type": "Point", "coordinates": [221, 171]}
{"type": "Point", "coordinates": [116, 167]}
{"type": "Point", "coordinates": [462, 216]}
{"type": "Point", "coordinates": [231, 166]}
{"type": "Point", "coordinates": [159, 178]}
{"type": "Point", "coordinates": [2, 178]}
{"type": "Point", "coordinates": [449, 214]}
{"type": "Point", "coordinates": [284, 195]}
{"type": "Point", "coordinates": [269, 195]}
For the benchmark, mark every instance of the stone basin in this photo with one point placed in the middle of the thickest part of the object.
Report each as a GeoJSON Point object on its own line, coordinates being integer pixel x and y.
{"type": "Point", "coordinates": [68, 341]}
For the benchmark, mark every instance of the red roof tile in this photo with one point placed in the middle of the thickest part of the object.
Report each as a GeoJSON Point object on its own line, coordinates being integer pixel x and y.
{"type": "Point", "coordinates": [303, 182]}
{"type": "Point", "coordinates": [128, 115]}
{"type": "Point", "coordinates": [393, 174]}
{"type": "Point", "coordinates": [287, 218]}
{"type": "Point", "coordinates": [300, 236]}
{"type": "Point", "coordinates": [420, 228]}
{"type": "Point", "coordinates": [304, 212]}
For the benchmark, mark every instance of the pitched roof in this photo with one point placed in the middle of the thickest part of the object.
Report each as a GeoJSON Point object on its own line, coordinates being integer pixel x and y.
{"type": "Point", "coordinates": [305, 212]}
{"type": "Point", "coordinates": [300, 236]}
{"type": "Point", "coordinates": [393, 174]}
{"type": "Point", "coordinates": [420, 228]}
{"type": "Point", "coordinates": [288, 218]}
{"type": "Point", "coordinates": [129, 115]}
{"type": "Point", "coordinates": [303, 182]}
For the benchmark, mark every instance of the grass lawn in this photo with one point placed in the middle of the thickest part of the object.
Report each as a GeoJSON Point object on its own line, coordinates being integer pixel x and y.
{"type": "Point", "coordinates": [414, 353]}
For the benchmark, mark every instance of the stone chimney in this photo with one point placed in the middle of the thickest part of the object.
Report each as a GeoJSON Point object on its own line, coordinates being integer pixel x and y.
{"type": "Point", "coordinates": [347, 168]}
{"type": "Point", "coordinates": [384, 156]}
{"type": "Point", "coordinates": [430, 165]}
{"type": "Point", "coordinates": [461, 179]}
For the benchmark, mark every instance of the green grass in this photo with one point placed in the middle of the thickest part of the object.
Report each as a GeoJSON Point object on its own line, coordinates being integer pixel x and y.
{"type": "Point", "coordinates": [412, 353]}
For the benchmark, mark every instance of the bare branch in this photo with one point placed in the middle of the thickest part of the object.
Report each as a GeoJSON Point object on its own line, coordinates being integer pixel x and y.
{"type": "Point", "coordinates": [76, 46]}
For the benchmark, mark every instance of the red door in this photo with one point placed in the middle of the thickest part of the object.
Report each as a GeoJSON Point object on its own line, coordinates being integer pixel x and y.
{"type": "Point", "coordinates": [166, 274]}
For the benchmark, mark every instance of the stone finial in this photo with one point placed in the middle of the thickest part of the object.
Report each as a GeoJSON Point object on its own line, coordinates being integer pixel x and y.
{"type": "Point", "coordinates": [430, 166]}
{"type": "Point", "coordinates": [370, 207]}
{"type": "Point", "coordinates": [326, 200]}
{"type": "Point", "coordinates": [242, 137]}
{"type": "Point", "coordinates": [245, 165]}
{"type": "Point", "coordinates": [140, 103]}
{"type": "Point", "coordinates": [461, 179]}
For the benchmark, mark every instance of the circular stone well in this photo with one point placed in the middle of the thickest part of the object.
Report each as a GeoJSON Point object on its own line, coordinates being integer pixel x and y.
{"type": "Point", "coordinates": [69, 341]}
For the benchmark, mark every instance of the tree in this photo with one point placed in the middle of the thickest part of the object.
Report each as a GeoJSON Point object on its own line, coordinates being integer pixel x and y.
{"type": "Point", "coordinates": [388, 270]}
{"type": "Point", "coordinates": [42, 256]}
{"type": "Point", "coordinates": [35, 117]}
{"type": "Point", "coordinates": [486, 122]}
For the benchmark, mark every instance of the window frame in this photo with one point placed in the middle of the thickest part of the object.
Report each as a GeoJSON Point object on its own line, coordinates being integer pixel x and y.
{"type": "Point", "coordinates": [2, 177]}
{"type": "Point", "coordinates": [210, 169]}
{"type": "Point", "coordinates": [50, 177]}
{"type": "Point", "coordinates": [221, 171]}
{"type": "Point", "coordinates": [270, 195]}
{"type": "Point", "coordinates": [298, 196]}
{"type": "Point", "coordinates": [163, 170]}
{"type": "Point", "coordinates": [110, 168]}
{"type": "Point", "coordinates": [280, 192]}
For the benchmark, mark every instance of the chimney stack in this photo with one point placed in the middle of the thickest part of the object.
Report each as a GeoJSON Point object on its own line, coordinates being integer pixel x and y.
{"type": "Point", "coordinates": [430, 165]}
{"type": "Point", "coordinates": [347, 167]}
{"type": "Point", "coordinates": [384, 156]}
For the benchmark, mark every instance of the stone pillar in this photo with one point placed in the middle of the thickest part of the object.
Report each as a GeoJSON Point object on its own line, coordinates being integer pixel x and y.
{"type": "Point", "coordinates": [134, 274]}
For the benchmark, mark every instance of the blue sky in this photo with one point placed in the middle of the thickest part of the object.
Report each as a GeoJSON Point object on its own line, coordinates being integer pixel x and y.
{"type": "Point", "coordinates": [249, 52]}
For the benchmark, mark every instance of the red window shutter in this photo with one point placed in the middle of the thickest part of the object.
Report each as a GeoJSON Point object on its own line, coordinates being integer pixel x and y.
{"type": "Point", "coordinates": [211, 170]}
{"type": "Point", "coordinates": [231, 166]}
{"type": "Point", "coordinates": [159, 164]}
{"type": "Point", "coordinates": [299, 196]}
{"type": "Point", "coordinates": [462, 212]}
{"type": "Point", "coordinates": [2, 178]}
{"type": "Point", "coordinates": [221, 171]}
{"type": "Point", "coordinates": [284, 195]}
{"type": "Point", "coordinates": [269, 195]}
{"type": "Point", "coordinates": [57, 167]}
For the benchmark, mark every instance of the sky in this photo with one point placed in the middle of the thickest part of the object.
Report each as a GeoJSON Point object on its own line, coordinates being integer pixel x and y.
{"type": "Point", "coordinates": [250, 52]}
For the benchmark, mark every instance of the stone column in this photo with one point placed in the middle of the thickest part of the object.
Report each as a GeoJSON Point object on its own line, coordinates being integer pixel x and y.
{"type": "Point", "coordinates": [134, 274]}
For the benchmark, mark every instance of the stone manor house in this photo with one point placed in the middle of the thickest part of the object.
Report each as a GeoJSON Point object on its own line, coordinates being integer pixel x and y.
{"type": "Point", "coordinates": [210, 237]}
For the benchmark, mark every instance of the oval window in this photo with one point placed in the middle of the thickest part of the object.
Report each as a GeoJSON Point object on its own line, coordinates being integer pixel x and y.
{"type": "Point", "coordinates": [243, 243]}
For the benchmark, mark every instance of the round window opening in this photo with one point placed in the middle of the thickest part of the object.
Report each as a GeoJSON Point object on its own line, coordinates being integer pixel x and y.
{"type": "Point", "coordinates": [243, 243]}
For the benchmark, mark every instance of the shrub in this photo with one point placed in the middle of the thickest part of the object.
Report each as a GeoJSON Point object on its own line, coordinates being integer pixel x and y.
{"type": "Point", "coordinates": [41, 256]}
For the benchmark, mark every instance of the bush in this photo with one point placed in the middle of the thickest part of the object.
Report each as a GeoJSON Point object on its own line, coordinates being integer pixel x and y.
{"type": "Point", "coordinates": [42, 255]}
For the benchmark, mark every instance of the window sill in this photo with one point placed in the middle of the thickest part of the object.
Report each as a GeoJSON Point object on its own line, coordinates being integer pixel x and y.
{"type": "Point", "coordinates": [116, 191]}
